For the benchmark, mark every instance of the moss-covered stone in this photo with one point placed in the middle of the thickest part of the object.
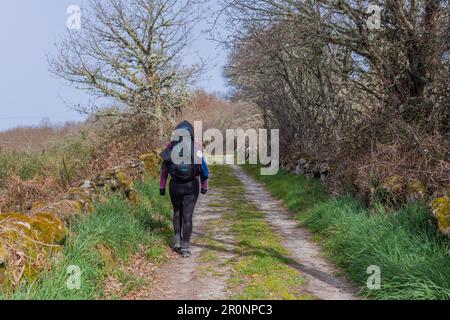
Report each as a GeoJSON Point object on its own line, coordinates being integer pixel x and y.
{"type": "Point", "coordinates": [50, 225]}
{"type": "Point", "coordinates": [125, 183]}
{"type": "Point", "coordinates": [133, 169]}
{"type": "Point", "coordinates": [26, 250]}
{"type": "Point", "coordinates": [43, 227]}
{"type": "Point", "coordinates": [4, 256]}
{"type": "Point", "coordinates": [390, 192]}
{"type": "Point", "coordinates": [415, 190]}
{"type": "Point", "coordinates": [65, 210]}
{"type": "Point", "coordinates": [152, 162]}
{"type": "Point", "coordinates": [119, 180]}
{"type": "Point", "coordinates": [108, 257]}
{"type": "Point", "coordinates": [393, 184]}
{"type": "Point", "coordinates": [83, 196]}
{"type": "Point", "coordinates": [441, 211]}
{"type": "Point", "coordinates": [16, 217]}
{"type": "Point", "coordinates": [31, 239]}
{"type": "Point", "coordinates": [108, 174]}
{"type": "Point", "coordinates": [17, 222]}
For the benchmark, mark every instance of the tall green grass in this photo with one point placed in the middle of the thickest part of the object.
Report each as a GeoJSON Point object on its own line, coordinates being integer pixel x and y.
{"type": "Point", "coordinates": [413, 257]}
{"type": "Point", "coordinates": [122, 228]}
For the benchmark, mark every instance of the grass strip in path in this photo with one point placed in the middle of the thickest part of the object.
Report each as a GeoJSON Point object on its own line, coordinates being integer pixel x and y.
{"type": "Point", "coordinates": [261, 267]}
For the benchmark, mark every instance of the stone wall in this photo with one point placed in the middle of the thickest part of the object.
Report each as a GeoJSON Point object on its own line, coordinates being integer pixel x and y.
{"type": "Point", "coordinates": [29, 241]}
{"type": "Point", "coordinates": [393, 191]}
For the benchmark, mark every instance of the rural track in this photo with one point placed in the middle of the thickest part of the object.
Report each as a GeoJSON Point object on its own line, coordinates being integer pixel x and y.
{"type": "Point", "coordinates": [198, 278]}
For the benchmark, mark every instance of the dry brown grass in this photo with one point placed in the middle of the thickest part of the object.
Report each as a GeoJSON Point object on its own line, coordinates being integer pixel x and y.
{"type": "Point", "coordinates": [36, 138]}
{"type": "Point", "coordinates": [218, 113]}
{"type": "Point", "coordinates": [19, 195]}
{"type": "Point", "coordinates": [40, 163]}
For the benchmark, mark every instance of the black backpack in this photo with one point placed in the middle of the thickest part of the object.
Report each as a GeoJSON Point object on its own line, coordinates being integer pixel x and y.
{"type": "Point", "coordinates": [181, 171]}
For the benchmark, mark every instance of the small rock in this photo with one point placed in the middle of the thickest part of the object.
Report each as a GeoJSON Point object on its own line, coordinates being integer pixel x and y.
{"type": "Point", "coordinates": [415, 190]}
{"type": "Point", "coordinates": [87, 184]}
{"type": "Point", "coordinates": [394, 184]}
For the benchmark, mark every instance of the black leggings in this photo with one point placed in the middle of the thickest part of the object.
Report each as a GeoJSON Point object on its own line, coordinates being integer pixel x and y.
{"type": "Point", "coordinates": [184, 196]}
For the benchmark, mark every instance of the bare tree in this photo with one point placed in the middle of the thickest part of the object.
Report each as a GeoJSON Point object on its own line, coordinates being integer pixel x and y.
{"type": "Point", "coordinates": [340, 85]}
{"type": "Point", "coordinates": [131, 51]}
{"type": "Point", "coordinates": [298, 84]}
{"type": "Point", "coordinates": [403, 60]}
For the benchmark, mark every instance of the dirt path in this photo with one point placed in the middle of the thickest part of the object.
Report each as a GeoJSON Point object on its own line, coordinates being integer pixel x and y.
{"type": "Point", "coordinates": [321, 275]}
{"type": "Point", "coordinates": [208, 273]}
{"type": "Point", "coordinates": [204, 276]}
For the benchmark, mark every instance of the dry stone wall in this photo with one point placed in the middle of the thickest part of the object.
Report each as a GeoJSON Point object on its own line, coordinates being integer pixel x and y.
{"type": "Point", "coordinates": [29, 241]}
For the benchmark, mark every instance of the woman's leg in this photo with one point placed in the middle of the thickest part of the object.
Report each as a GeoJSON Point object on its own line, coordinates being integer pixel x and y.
{"type": "Point", "coordinates": [189, 202]}
{"type": "Point", "coordinates": [177, 203]}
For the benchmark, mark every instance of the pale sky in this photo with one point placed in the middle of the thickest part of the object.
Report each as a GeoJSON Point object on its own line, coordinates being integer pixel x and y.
{"type": "Point", "coordinates": [29, 93]}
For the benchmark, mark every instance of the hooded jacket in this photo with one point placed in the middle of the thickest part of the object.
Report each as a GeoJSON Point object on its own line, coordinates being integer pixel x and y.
{"type": "Point", "coordinates": [196, 155]}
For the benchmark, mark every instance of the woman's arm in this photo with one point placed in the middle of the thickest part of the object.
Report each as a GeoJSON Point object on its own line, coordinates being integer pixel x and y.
{"type": "Point", "coordinates": [204, 176]}
{"type": "Point", "coordinates": [165, 155]}
{"type": "Point", "coordinates": [164, 175]}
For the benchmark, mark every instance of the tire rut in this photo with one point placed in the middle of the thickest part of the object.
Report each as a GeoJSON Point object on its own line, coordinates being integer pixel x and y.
{"type": "Point", "coordinates": [323, 282]}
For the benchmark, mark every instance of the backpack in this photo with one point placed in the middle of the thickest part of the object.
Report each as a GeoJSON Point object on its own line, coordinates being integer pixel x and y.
{"type": "Point", "coordinates": [181, 171]}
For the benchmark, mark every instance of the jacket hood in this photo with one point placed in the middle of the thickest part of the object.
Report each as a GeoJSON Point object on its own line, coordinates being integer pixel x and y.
{"type": "Point", "coordinates": [196, 150]}
{"type": "Point", "coordinates": [187, 126]}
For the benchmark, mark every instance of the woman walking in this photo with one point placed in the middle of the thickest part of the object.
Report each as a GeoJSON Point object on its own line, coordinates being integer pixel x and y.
{"type": "Point", "coordinates": [186, 165]}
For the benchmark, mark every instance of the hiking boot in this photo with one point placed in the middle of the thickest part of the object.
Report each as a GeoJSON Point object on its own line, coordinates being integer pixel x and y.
{"type": "Point", "coordinates": [185, 253]}
{"type": "Point", "coordinates": [177, 248]}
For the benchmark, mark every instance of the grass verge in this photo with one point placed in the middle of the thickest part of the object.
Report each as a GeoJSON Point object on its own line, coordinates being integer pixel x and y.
{"type": "Point", "coordinates": [117, 228]}
{"type": "Point", "coordinates": [262, 269]}
{"type": "Point", "coordinates": [413, 257]}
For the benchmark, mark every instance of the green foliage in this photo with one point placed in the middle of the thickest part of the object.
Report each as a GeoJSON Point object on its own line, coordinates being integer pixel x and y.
{"type": "Point", "coordinates": [412, 255]}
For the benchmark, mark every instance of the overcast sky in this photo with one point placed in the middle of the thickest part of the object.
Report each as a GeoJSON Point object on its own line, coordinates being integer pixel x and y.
{"type": "Point", "coordinates": [28, 92]}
